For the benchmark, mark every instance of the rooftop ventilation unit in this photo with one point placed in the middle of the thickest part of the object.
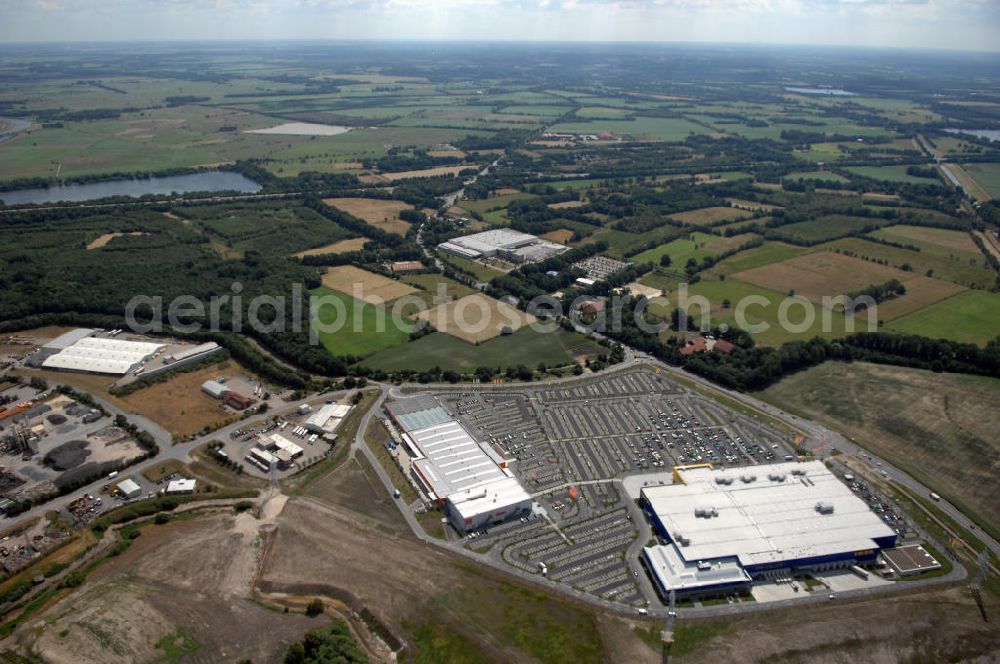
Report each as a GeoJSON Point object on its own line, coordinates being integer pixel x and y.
{"type": "Point", "coordinates": [776, 477]}
{"type": "Point", "coordinates": [824, 507]}
{"type": "Point", "coordinates": [747, 479]}
{"type": "Point", "coordinates": [798, 471]}
{"type": "Point", "coordinates": [705, 512]}
{"type": "Point", "coordinates": [704, 565]}
{"type": "Point", "coordinates": [724, 480]}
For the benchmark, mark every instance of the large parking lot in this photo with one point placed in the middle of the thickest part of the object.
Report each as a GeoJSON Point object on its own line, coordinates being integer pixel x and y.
{"type": "Point", "coordinates": [571, 446]}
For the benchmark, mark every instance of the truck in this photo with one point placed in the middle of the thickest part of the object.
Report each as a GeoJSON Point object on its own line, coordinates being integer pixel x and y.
{"type": "Point", "coordinates": [935, 497]}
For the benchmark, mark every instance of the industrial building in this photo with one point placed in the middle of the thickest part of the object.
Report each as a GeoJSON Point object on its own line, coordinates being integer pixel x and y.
{"type": "Point", "coordinates": [79, 350]}
{"type": "Point", "coordinates": [221, 391]}
{"type": "Point", "coordinates": [724, 528]}
{"type": "Point", "coordinates": [129, 488]}
{"type": "Point", "coordinates": [469, 481]}
{"type": "Point", "coordinates": [191, 353]}
{"type": "Point", "coordinates": [327, 418]}
{"type": "Point", "coordinates": [910, 560]}
{"type": "Point", "coordinates": [181, 486]}
{"type": "Point", "coordinates": [504, 243]}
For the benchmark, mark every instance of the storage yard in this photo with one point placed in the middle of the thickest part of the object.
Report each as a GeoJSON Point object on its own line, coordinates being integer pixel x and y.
{"type": "Point", "coordinates": [48, 442]}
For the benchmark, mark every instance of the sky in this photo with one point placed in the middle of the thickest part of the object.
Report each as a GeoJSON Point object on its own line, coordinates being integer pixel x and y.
{"type": "Point", "coordinates": [943, 24]}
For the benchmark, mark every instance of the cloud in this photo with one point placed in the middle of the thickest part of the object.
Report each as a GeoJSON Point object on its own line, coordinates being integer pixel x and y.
{"type": "Point", "coordinates": [916, 23]}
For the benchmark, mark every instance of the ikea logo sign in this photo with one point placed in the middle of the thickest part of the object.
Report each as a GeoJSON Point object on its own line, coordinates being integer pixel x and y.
{"type": "Point", "coordinates": [866, 552]}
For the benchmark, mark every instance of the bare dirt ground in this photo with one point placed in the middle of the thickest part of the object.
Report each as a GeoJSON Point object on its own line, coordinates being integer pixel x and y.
{"type": "Point", "coordinates": [412, 587]}
{"type": "Point", "coordinates": [179, 405]}
{"type": "Point", "coordinates": [940, 626]}
{"type": "Point", "coordinates": [382, 214]}
{"type": "Point", "coordinates": [191, 578]}
{"type": "Point", "coordinates": [341, 247]}
{"type": "Point", "coordinates": [108, 237]}
{"type": "Point", "coordinates": [372, 288]}
{"type": "Point", "coordinates": [476, 317]}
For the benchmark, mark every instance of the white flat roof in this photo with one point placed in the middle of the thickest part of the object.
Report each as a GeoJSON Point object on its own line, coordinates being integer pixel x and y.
{"type": "Point", "coordinates": [675, 573]}
{"type": "Point", "coordinates": [327, 412]}
{"type": "Point", "coordinates": [452, 462]}
{"type": "Point", "coordinates": [764, 521]}
{"type": "Point", "coordinates": [283, 443]}
{"type": "Point", "coordinates": [181, 486]}
{"type": "Point", "coordinates": [100, 355]}
{"type": "Point", "coordinates": [492, 240]}
{"type": "Point", "coordinates": [490, 496]}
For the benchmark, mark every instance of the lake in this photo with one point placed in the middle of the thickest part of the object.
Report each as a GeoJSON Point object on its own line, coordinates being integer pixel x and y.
{"type": "Point", "coordinates": [181, 184]}
{"type": "Point", "coordinates": [830, 92]}
{"type": "Point", "coordinates": [989, 134]}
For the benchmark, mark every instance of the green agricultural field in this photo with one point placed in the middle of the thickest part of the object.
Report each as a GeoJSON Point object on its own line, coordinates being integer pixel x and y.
{"type": "Point", "coordinates": [481, 272]}
{"type": "Point", "coordinates": [988, 175]}
{"type": "Point", "coordinates": [939, 428]}
{"type": "Point", "coordinates": [366, 328]}
{"type": "Point", "coordinates": [765, 254]}
{"type": "Point", "coordinates": [433, 284]}
{"type": "Point", "coordinates": [955, 258]}
{"type": "Point", "coordinates": [828, 227]}
{"type": "Point", "coordinates": [891, 174]}
{"type": "Point", "coordinates": [621, 242]}
{"type": "Point", "coordinates": [971, 317]}
{"type": "Point", "coordinates": [525, 346]}
{"type": "Point", "coordinates": [698, 245]}
{"type": "Point", "coordinates": [759, 311]}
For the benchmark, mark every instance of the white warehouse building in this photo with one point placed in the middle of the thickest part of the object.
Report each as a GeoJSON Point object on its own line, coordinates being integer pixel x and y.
{"type": "Point", "coordinates": [102, 355]}
{"type": "Point", "coordinates": [469, 481]}
{"type": "Point", "coordinates": [505, 243]}
{"type": "Point", "coordinates": [724, 528]}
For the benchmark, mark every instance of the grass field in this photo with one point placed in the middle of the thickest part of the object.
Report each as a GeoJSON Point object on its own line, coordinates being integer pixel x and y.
{"type": "Point", "coordinates": [383, 214]}
{"type": "Point", "coordinates": [711, 215]}
{"type": "Point", "coordinates": [950, 254]}
{"type": "Point", "coordinates": [891, 174]}
{"type": "Point", "coordinates": [828, 227]}
{"type": "Point", "coordinates": [817, 274]}
{"type": "Point", "coordinates": [368, 286]}
{"type": "Point", "coordinates": [765, 254]}
{"type": "Point", "coordinates": [363, 328]}
{"type": "Point", "coordinates": [971, 317]}
{"type": "Point", "coordinates": [970, 182]}
{"type": "Point", "coordinates": [476, 317]}
{"type": "Point", "coordinates": [987, 175]}
{"type": "Point", "coordinates": [341, 247]}
{"type": "Point", "coordinates": [755, 313]}
{"type": "Point", "coordinates": [481, 272]}
{"type": "Point", "coordinates": [696, 246]}
{"type": "Point", "coordinates": [940, 428]}
{"type": "Point", "coordinates": [525, 346]}
{"type": "Point", "coordinates": [438, 284]}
